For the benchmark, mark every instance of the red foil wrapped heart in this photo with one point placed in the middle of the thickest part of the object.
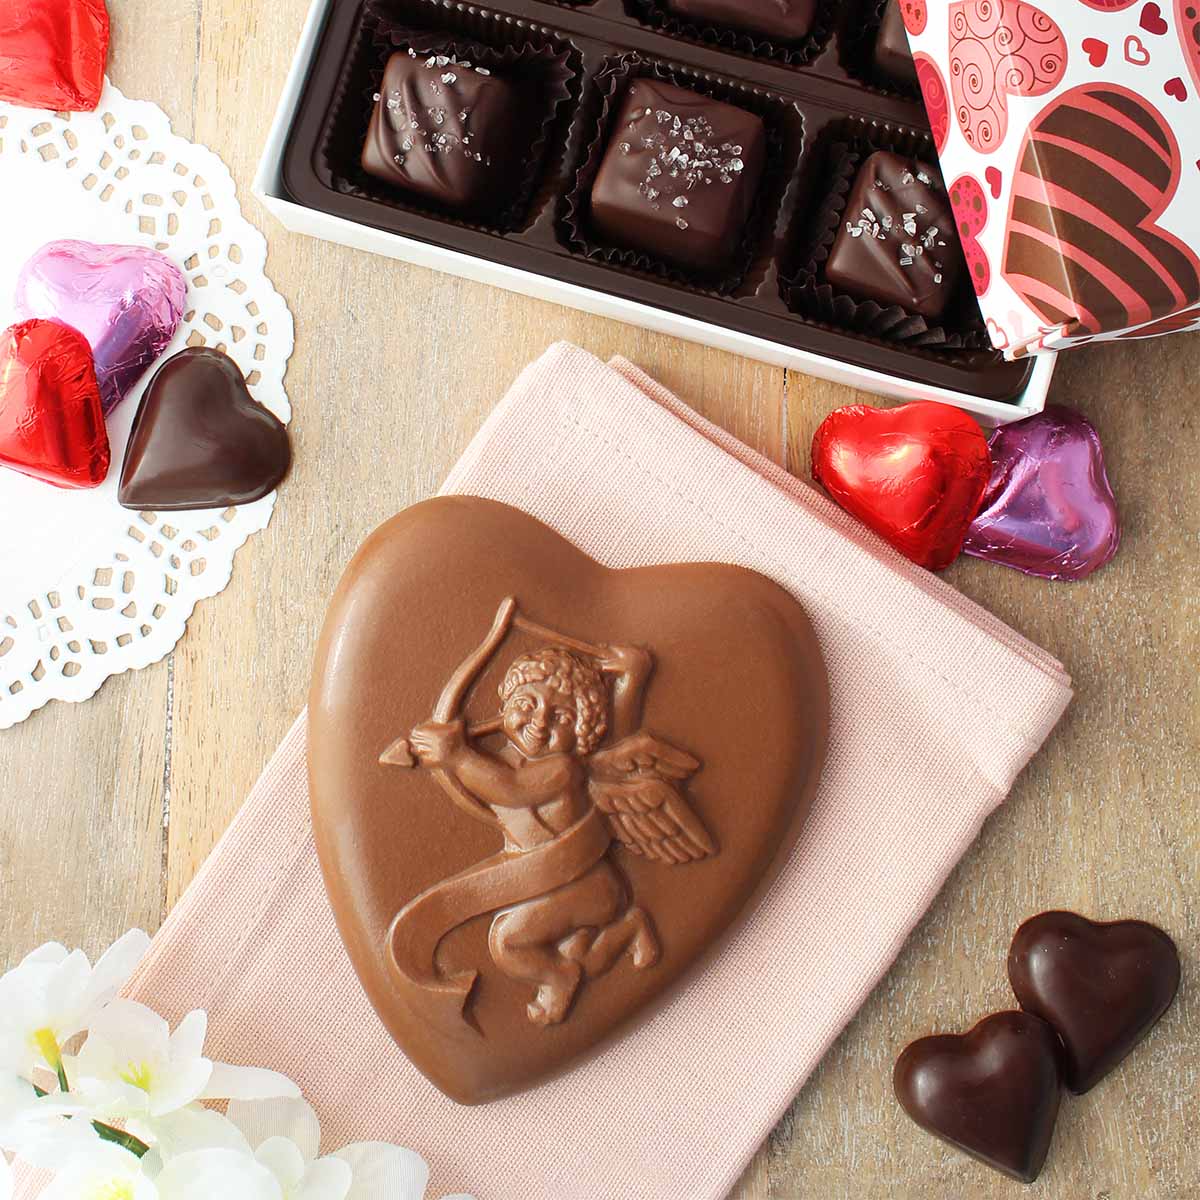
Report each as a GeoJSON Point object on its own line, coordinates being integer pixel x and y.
{"type": "Point", "coordinates": [52, 53]}
{"type": "Point", "coordinates": [51, 422]}
{"type": "Point", "coordinates": [914, 474]}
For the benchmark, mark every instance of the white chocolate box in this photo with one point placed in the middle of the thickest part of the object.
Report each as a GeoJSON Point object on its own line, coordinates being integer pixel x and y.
{"type": "Point", "coordinates": [269, 186]}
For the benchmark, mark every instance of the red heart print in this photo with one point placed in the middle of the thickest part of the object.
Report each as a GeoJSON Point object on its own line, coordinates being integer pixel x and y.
{"type": "Point", "coordinates": [937, 101]}
{"type": "Point", "coordinates": [999, 48]}
{"type": "Point", "coordinates": [53, 53]}
{"type": "Point", "coordinates": [1175, 89]}
{"type": "Point", "coordinates": [914, 474]}
{"type": "Point", "coordinates": [971, 214]}
{"type": "Point", "coordinates": [1187, 22]}
{"type": "Point", "coordinates": [915, 14]}
{"type": "Point", "coordinates": [995, 181]}
{"type": "Point", "coordinates": [1152, 20]}
{"type": "Point", "coordinates": [1096, 51]}
{"type": "Point", "coordinates": [51, 422]}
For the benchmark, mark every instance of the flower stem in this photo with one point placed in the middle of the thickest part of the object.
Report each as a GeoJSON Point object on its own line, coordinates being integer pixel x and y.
{"type": "Point", "coordinates": [107, 1133]}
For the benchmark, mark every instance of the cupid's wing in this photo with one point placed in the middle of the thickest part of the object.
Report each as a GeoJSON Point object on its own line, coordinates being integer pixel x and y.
{"type": "Point", "coordinates": [637, 784]}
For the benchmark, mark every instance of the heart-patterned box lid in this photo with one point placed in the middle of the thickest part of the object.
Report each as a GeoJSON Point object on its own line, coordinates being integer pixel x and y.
{"type": "Point", "coordinates": [1068, 136]}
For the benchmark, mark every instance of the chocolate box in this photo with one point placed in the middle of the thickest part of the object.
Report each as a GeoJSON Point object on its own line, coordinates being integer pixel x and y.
{"type": "Point", "coordinates": [1069, 136]}
{"type": "Point", "coordinates": [823, 107]}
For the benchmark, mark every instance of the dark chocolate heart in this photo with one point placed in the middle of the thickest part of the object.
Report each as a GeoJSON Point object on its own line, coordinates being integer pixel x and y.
{"type": "Point", "coordinates": [1101, 985]}
{"type": "Point", "coordinates": [660, 735]}
{"type": "Point", "coordinates": [200, 441]}
{"type": "Point", "coordinates": [993, 1092]}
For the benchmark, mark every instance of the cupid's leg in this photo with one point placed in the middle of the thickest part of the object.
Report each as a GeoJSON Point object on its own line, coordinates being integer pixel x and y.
{"type": "Point", "coordinates": [631, 933]}
{"type": "Point", "coordinates": [524, 940]}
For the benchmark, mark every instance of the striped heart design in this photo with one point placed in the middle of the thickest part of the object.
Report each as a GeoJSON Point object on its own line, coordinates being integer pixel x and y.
{"type": "Point", "coordinates": [1097, 168]}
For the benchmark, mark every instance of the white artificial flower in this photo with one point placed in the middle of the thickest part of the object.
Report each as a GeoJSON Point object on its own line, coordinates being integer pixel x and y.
{"type": "Point", "coordinates": [285, 1136]}
{"type": "Point", "coordinates": [53, 994]}
{"type": "Point", "coordinates": [36, 1127]}
{"type": "Point", "coordinates": [215, 1175]}
{"type": "Point", "coordinates": [133, 1066]}
{"type": "Point", "coordinates": [106, 1173]}
{"type": "Point", "coordinates": [6, 1179]}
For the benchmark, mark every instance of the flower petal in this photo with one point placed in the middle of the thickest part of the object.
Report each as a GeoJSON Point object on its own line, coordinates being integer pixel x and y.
{"type": "Point", "coordinates": [49, 952]}
{"type": "Point", "coordinates": [283, 1159]}
{"type": "Point", "coordinates": [292, 1118]}
{"type": "Point", "coordinates": [326, 1179]}
{"type": "Point", "coordinates": [188, 1039]}
{"type": "Point", "coordinates": [384, 1172]}
{"type": "Point", "coordinates": [106, 1171]}
{"type": "Point", "coordinates": [188, 1129]}
{"type": "Point", "coordinates": [115, 965]}
{"type": "Point", "coordinates": [204, 1174]}
{"type": "Point", "coordinates": [247, 1083]}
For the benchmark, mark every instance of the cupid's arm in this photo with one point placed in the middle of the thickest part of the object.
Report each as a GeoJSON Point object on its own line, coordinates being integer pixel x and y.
{"type": "Point", "coordinates": [631, 666]}
{"type": "Point", "coordinates": [484, 775]}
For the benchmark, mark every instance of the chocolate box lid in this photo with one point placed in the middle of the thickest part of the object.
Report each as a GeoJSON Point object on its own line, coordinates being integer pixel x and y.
{"type": "Point", "coordinates": [1070, 144]}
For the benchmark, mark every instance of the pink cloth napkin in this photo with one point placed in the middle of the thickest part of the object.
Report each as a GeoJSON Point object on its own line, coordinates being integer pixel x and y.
{"type": "Point", "coordinates": [936, 708]}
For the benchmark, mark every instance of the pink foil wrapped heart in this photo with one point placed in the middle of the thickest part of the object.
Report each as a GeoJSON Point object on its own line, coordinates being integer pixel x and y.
{"type": "Point", "coordinates": [126, 300]}
{"type": "Point", "coordinates": [1048, 509]}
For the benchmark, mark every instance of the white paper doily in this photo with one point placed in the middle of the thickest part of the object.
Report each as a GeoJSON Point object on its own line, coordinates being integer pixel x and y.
{"type": "Point", "coordinates": [87, 588]}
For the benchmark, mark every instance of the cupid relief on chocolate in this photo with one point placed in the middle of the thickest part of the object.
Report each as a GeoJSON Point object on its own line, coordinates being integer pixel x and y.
{"type": "Point", "coordinates": [542, 788]}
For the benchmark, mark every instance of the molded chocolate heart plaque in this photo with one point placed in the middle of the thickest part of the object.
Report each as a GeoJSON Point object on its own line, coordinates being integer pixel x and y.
{"type": "Point", "coordinates": [541, 788]}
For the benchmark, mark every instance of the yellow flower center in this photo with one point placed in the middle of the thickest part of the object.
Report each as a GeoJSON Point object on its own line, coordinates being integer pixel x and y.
{"type": "Point", "coordinates": [112, 1189]}
{"type": "Point", "coordinates": [47, 1046]}
{"type": "Point", "coordinates": [138, 1075]}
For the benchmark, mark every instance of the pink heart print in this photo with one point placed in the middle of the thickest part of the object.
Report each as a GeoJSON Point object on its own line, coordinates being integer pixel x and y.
{"type": "Point", "coordinates": [1096, 51]}
{"type": "Point", "coordinates": [999, 48]}
{"type": "Point", "coordinates": [970, 215]}
{"type": "Point", "coordinates": [1135, 51]}
{"type": "Point", "coordinates": [1152, 20]}
{"type": "Point", "coordinates": [1110, 5]}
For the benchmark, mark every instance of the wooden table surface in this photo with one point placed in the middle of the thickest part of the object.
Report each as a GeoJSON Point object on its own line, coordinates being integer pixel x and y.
{"type": "Point", "coordinates": [109, 807]}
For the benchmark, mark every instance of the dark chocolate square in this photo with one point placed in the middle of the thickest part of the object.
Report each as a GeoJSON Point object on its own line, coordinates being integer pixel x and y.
{"type": "Point", "coordinates": [782, 20]}
{"type": "Point", "coordinates": [897, 243]}
{"type": "Point", "coordinates": [893, 56]}
{"type": "Point", "coordinates": [679, 176]}
{"type": "Point", "coordinates": [443, 129]}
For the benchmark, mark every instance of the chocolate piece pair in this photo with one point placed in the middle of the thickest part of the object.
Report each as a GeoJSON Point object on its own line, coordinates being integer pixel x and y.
{"type": "Point", "coordinates": [893, 56]}
{"type": "Point", "coordinates": [782, 20]}
{"type": "Point", "coordinates": [897, 243]}
{"type": "Point", "coordinates": [679, 177]}
{"type": "Point", "coordinates": [1090, 992]}
{"type": "Point", "coordinates": [446, 130]}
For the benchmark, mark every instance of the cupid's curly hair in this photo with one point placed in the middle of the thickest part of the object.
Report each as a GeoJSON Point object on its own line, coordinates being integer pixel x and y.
{"type": "Point", "coordinates": [572, 675]}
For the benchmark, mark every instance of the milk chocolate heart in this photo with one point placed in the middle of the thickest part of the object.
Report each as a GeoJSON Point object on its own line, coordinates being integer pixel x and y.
{"type": "Point", "coordinates": [200, 441]}
{"type": "Point", "coordinates": [914, 474]}
{"type": "Point", "coordinates": [993, 1092]}
{"type": "Point", "coordinates": [1102, 986]}
{"type": "Point", "coordinates": [541, 788]}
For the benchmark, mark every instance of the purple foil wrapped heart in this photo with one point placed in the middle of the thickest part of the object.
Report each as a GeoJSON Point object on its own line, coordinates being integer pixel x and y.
{"type": "Point", "coordinates": [126, 300]}
{"type": "Point", "coordinates": [1048, 509]}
